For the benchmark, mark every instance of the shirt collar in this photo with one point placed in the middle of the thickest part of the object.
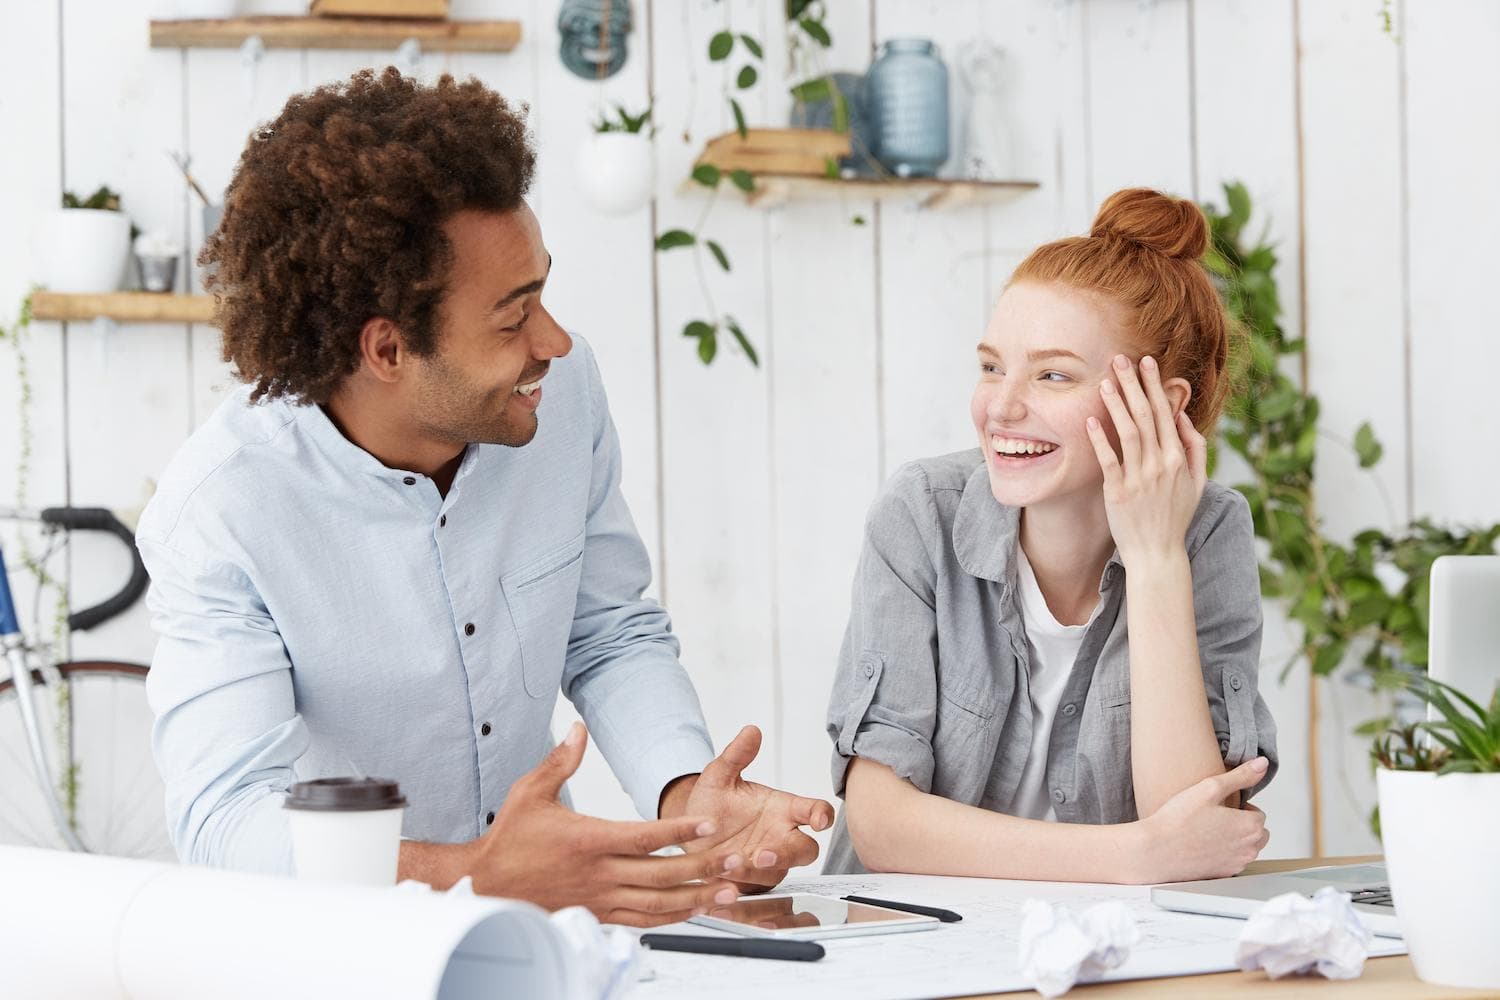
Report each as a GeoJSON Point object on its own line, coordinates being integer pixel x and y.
{"type": "Point", "coordinates": [339, 449]}
{"type": "Point", "coordinates": [351, 457]}
{"type": "Point", "coordinates": [985, 533]}
{"type": "Point", "coordinates": [984, 530]}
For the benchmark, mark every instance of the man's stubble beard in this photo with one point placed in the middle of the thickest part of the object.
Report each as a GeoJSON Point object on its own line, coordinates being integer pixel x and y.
{"type": "Point", "coordinates": [452, 408]}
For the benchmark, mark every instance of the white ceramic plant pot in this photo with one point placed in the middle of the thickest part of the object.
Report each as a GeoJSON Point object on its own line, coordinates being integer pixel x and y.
{"type": "Point", "coordinates": [1442, 850]}
{"type": "Point", "coordinates": [84, 250]}
{"type": "Point", "coordinates": [615, 171]}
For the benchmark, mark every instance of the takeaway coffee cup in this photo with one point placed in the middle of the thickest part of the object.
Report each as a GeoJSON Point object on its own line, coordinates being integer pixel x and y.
{"type": "Point", "coordinates": [346, 829]}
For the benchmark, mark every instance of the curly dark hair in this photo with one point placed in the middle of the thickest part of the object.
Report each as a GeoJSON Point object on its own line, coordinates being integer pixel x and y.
{"type": "Point", "coordinates": [335, 215]}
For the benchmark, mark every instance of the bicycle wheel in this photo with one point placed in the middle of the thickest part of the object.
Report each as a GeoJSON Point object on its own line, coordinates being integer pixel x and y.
{"type": "Point", "coordinates": [116, 790]}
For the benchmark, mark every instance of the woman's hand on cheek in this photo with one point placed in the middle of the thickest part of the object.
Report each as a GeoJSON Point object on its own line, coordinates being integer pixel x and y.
{"type": "Point", "coordinates": [1152, 488]}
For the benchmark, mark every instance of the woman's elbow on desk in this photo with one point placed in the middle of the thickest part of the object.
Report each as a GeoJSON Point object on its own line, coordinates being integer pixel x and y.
{"type": "Point", "coordinates": [873, 797]}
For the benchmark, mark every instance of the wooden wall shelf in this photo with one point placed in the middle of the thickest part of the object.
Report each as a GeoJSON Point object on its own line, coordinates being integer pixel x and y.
{"type": "Point", "coordinates": [123, 307]}
{"type": "Point", "coordinates": [338, 33]}
{"type": "Point", "coordinates": [772, 190]}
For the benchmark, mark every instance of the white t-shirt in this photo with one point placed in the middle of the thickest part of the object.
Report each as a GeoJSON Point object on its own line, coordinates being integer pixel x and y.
{"type": "Point", "coordinates": [1054, 647]}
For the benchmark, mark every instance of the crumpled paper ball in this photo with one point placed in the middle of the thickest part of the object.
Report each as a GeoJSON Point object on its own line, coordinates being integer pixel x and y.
{"type": "Point", "coordinates": [1059, 948]}
{"type": "Point", "coordinates": [606, 961]}
{"type": "Point", "coordinates": [1293, 934]}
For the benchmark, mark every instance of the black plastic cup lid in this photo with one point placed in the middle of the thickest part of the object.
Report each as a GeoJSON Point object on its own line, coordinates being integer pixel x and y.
{"type": "Point", "coordinates": [345, 795]}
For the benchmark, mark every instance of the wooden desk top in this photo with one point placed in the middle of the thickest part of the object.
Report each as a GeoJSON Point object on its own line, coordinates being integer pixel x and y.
{"type": "Point", "coordinates": [1389, 978]}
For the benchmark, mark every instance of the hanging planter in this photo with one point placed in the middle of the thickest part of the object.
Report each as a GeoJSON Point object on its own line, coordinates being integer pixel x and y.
{"type": "Point", "coordinates": [84, 246]}
{"type": "Point", "coordinates": [616, 165]}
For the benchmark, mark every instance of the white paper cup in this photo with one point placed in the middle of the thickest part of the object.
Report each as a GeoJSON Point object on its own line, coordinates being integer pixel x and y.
{"type": "Point", "coordinates": [346, 830]}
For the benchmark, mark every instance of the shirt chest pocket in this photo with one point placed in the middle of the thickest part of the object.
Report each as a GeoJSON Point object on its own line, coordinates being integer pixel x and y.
{"type": "Point", "coordinates": [1114, 694]}
{"type": "Point", "coordinates": [542, 597]}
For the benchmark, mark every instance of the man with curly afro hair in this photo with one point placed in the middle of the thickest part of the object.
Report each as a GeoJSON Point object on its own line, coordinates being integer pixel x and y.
{"type": "Point", "coordinates": [386, 555]}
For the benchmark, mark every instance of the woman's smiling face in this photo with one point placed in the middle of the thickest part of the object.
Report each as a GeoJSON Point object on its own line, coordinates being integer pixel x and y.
{"type": "Point", "coordinates": [1045, 352]}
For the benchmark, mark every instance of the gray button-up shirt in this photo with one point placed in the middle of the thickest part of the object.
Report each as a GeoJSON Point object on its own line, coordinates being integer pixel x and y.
{"type": "Point", "coordinates": [932, 678]}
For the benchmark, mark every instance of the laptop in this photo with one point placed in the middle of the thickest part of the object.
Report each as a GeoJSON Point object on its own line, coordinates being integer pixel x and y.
{"type": "Point", "coordinates": [1240, 896]}
{"type": "Point", "coordinates": [1463, 627]}
{"type": "Point", "coordinates": [1463, 635]}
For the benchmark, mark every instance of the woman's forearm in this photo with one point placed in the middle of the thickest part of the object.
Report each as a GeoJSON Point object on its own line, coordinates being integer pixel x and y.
{"type": "Point", "coordinates": [897, 828]}
{"type": "Point", "coordinates": [1172, 742]}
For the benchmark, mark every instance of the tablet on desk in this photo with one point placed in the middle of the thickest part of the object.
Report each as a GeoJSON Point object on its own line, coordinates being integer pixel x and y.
{"type": "Point", "coordinates": [803, 916]}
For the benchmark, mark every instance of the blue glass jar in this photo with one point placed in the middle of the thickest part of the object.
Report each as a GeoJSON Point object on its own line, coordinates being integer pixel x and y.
{"type": "Point", "coordinates": [907, 94]}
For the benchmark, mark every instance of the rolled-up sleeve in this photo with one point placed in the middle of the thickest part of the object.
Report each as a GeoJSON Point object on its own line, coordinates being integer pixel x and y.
{"type": "Point", "coordinates": [884, 702]}
{"type": "Point", "coordinates": [1226, 602]}
{"type": "Point", "coordinates": [622, 670]}
{"type": "Point", "coordinates": [227, 732]}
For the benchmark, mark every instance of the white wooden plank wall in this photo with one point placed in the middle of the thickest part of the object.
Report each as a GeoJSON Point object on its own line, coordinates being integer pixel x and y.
{"type": "Point", "coordinates": [1351, 157]}
{"type": "Point", "coordinates": [1248, 133]}
{"type": "Point", "coordinates": [30, 182]}
{"type": "Point", "coordinates": [750, 486]}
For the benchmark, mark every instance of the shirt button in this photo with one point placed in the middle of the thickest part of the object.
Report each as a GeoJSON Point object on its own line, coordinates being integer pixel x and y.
{"type": "Point", "coordinates": [1223, 746]}
{"type": "Point", "coordinates": [869, 670]}
{"type": "Point", "coordinates": [1058, 796]}
{"type": "Point", "coordinates": [1070, 709]}
{"type": "Point", "coordinates": [484, 730]}
{"type": "Point", "coordinates": [1234, 681]}
{"type": "Point", "coordinates": [410, 481]}
{"type": "Point", "coordinates": [489, 819]}
{"type": "Point", "coordinates": [469, 629]}
{"type": "Point", "coordinates": [443, 521]}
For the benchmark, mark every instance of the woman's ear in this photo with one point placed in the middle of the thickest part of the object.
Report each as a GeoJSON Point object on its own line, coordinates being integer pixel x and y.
{"type": "Point", "coordinates": [1178, 393]}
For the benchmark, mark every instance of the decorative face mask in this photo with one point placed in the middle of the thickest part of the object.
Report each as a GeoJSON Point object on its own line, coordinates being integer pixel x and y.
{"type": "Point", "coordinates": [593, 36]}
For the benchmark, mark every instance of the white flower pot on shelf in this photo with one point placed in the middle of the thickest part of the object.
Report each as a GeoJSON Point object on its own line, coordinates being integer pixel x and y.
{"type": "Point", "coordinates": [615, 172]}
{"type": "Point", "coordinates": [1442, 851]}
{"type": "Point", "coordinates": [84, 250]}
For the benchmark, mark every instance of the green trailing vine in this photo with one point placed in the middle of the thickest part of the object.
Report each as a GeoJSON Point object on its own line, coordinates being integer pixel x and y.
{"type": "Point", "coordinates": [68, 776]}
{"type": "Point", "coordinates": [1335, 591]}
{"type": "Point", "coordinates": [1388, 20]}
{"type": "Point", "coordinates": [806, 26]}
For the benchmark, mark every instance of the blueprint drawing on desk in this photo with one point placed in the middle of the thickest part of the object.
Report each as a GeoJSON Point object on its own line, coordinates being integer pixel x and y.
{"type": "Point", "coordinates": [977, 955]}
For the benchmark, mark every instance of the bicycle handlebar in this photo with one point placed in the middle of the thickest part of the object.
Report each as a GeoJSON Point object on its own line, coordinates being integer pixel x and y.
{"type": "Point", "coordinates": [100, 519]}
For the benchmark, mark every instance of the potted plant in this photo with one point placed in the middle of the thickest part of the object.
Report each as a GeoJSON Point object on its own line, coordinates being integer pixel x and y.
{"type": "Point", "coordinates": [615, 171]}
{"type": "Point", "coordinates": [1439, 785]}
{"type": "Point", "coordinates": [85, 244]}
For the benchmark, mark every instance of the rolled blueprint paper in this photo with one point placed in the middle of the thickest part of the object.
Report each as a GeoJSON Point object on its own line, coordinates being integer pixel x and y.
{"type": "Point", "coordinates": [77, 925]}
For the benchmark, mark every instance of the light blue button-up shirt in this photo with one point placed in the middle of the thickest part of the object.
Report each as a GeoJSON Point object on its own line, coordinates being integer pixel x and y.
{"type": "Point", "coordinates": [320, 614]}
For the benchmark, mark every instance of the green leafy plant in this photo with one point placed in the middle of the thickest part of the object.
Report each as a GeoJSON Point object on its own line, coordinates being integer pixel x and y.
{"type": "Point", "coordinates": [720, 47]}
{"type": "Point", "coordinates": [1333, 590]}
{"type": "Point", "coordinates": [807, 38]}
{"type": "Point", "coordinates": [1388, 20]}
{"type": "Point", "coordinates": [805, 26]}
{"type": "Point", "coordinates": [707, 330]}
{"type": "Point", "coordinates": [1466, 739]}
{"type": "Point", "coordinates": [624, 121]}
{"type": "Point", "coordinates": [103, 198]}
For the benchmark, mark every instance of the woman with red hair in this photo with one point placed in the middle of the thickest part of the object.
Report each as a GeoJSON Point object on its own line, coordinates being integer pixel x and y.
{"type": "Point", "coordinates": [1050, 665]}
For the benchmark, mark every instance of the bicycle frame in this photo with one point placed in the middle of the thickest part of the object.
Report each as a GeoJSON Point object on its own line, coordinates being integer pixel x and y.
{"type": "Point", "coordinates": [14, 642]}
{"type": "Point", "coordinates": [20, 672]}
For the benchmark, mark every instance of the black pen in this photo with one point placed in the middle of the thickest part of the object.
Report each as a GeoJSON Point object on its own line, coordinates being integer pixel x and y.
{"type": "Point", "coordinates": [792, 951]}
{"type": "Point", "coordinates": [946, 916]}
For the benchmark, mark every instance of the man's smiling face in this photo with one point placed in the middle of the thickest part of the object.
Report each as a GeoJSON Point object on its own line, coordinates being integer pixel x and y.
{"type": "Point", "coordinates": [495, 339]}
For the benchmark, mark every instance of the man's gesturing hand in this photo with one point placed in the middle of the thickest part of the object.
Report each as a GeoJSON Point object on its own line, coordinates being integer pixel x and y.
{"type": "Point", "coordinates": [755, 822]}
{"type": "Point", "coordinates": [543, 852]}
